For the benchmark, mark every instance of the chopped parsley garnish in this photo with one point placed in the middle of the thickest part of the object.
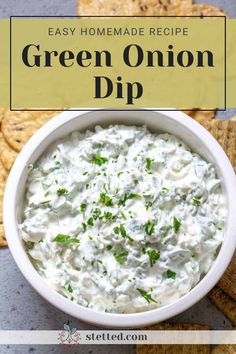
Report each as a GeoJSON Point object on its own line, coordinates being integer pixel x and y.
{"type": "Point", "coordinates": [98, 160]}
{"type": "Point", "coordinates": [153, 256]}
{"type": "Point", "coordinates": [105, 199]}
{"type": "Point", "coordinates": [45, 202]}
{"type": "Point", "coordinates": [116, 230]}
{"type": "Point", "coordinates": [148, 163]}
{"type": "Point", "coordinates": [146, 295]}
{"type": "Point", "coordinates": [121, 257]}
{"type": "Point", "coordinates": [84, 226]}
{"type": "Point", "coordinates": [121, 230]}
{"type": "Point", "coordinates": [123, 215]}
{"type": "Point", "coordinates": [90, 222]}
{"type": "Point", "coordinates": [61, 191]}
{"type": "Point", "coordinates": [170, 274]}
{"type": "Point", "coordinates": [149, 204]}
{"type": "Point", "coordinates": [70, 289]}
{"type": "Point", "coordinates": [128, 196]}
{"type": "Point", "coordinates": [96, 213]}
{"type": "Point", "coordinates": [109, 216]}
{"type": "Point", "coordinates": [149, 227]}
{"type": "Point", "coordinates": [60, 238]}
{"type": "Point", "coordinates": [109, 247]}
{"type": "Point", "coordinates": [176, 224]}
{"type": "Point", "coordinates": [196, 202]}
{"type": "Point", "coordinates": [83, 207]}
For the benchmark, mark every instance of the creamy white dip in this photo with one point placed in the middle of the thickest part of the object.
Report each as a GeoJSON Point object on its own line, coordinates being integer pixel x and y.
{"type": "Point", "coordinates": [121, 220]}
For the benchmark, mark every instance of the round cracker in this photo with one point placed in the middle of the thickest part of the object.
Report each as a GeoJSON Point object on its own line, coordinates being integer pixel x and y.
{"type": "Point", "coordinates": [3, 172]}
{"type": "Point", "coordinates": [2, 111]}
{"type": "Point", "coordinates": [128, 7]}
{"type": "Point", "coordinates": [2, 188]}
{"type": "Point", "coordinates": [18, 127]}
{"type": "Point", "coordinates": [3, 242]}
{"type": "Point", "coordinates": [201, 115]}
{"type": "Point", "coordinates": [196, 10]}
{"type": "Point", "coordinates": [7, 154]}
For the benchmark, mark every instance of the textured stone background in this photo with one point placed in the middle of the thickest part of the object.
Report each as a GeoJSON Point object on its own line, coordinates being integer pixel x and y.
{"type": "Point", "coordinates": [20, 306]}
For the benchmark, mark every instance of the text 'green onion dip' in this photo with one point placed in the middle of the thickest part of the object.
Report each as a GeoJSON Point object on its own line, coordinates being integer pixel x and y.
{"type": "Point", "coordinates": [121, 220]}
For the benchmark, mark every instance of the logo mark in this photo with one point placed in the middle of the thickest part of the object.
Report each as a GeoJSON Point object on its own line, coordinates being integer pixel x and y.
{"type": "Point", "coordinates": [69, 335]}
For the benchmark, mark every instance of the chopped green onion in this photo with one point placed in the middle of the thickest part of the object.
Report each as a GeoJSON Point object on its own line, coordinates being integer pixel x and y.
{"type": "Point", "coordinates": [196, 202]}
{"type": "Point", "coordinates": [149, 163]}
{"type": "Point", "coordinates": [170, 274]}
{"type": "Point", "coordinates": [149, 227]}
{"type": "Point", "coordinates": [90, 222]}
{"type": "Point", "coordinates": [83, 207]}
{"type": "Point", "coordinates": [153, 256]}
{"type": "Point", "coordinates": [70, 289]}
{"type": "Point", "coordinates": [105, 199]}
{"type": "Point", "coordinates": [96, 213]}
{"type": "Point", "coordinates": [164, 190]}
{"type": "Point", "coordinates": [121, 257]}
{"type": "Point", "coordinates": [176, 224]}
{"type": "Point", "coordinates": [146, 295]}
{"type": "Point", "coordinates": [61, 191]}
{"type": "Point", "coordinates": [128, 196]}
{"type": "Point", "coordinates": [98, 160]}
{"type": "Point", "coordinates": [60, 238]}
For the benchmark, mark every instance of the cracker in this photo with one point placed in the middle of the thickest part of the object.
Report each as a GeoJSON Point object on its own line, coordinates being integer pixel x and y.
{"type": "Point", "coordinates": [225, 133]}
{"type": "Point", "coordinates": [7, 154]}
{"type": "Point", "coordinates": [174, 349]}
{"type": "Point", "coordinates": [2, 188]}
{"type": "Point", "coordinates": [18, 127]}
{"type": "Point", "coordinates": [3, 172]}
{"type": "Point", "coordinates": [179, 327]}
{"type": "Point", "coordinates": [2, 111]}
{"type": "Point", "coordinates": [196, 10]}
{"type": "Point", "coordinates": [201, 115]}
{"type": "Point", "coordinates": [128, 7]}
{"type": "Point", "coordinates": [225, 303]}
{"type": "Point", "coordinates": [228, 281]}
{"type": "Point", "coordinates": [224, 349]}
{"type": "Point", "coordinates": [3, 242]}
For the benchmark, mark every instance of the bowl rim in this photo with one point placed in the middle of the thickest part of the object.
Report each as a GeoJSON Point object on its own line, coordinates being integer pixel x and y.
{"type": "Point", "coordinates": [131, 319]}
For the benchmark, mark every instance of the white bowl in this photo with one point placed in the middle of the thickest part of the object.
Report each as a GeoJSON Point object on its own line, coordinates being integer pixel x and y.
{"type": "Point", "coordinates": [176, 123]}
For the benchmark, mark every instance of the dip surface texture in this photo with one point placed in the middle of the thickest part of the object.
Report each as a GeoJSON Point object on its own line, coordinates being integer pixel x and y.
{"type": "Point", "coordinates": [121, 220]}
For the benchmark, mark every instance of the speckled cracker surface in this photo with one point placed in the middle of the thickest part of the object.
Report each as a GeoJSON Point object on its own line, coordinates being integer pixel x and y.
{"type": "Point", "coordinates": [3, 242]}
{"type": "Point", "coordinates": [3, 173]}
{"type": "Point", "coordinates": [228, 281]}
{"type": "Point", "coordinates": [224, 303]}
{"type": "Point", "coordinates": [224, 349]}
{"type": "Point", "coordinates": [18, 127]}
{"type": "Point", "coordinates": [196, 10]}
{"type": "Point", "coordinates": [174, 349]}
{"type": "Point", "coordinates": [225, 133]}
{"type": "Point", "coordinates": [7, 153]}
{"type": "Point", "coordinates": [128, 7]}
{"type": "Point", "coordinates": [2, 187]}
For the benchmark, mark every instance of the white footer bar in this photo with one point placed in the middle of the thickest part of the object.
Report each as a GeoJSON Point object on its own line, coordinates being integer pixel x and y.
{"type": "Point", "coordinates": [73, 336]}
